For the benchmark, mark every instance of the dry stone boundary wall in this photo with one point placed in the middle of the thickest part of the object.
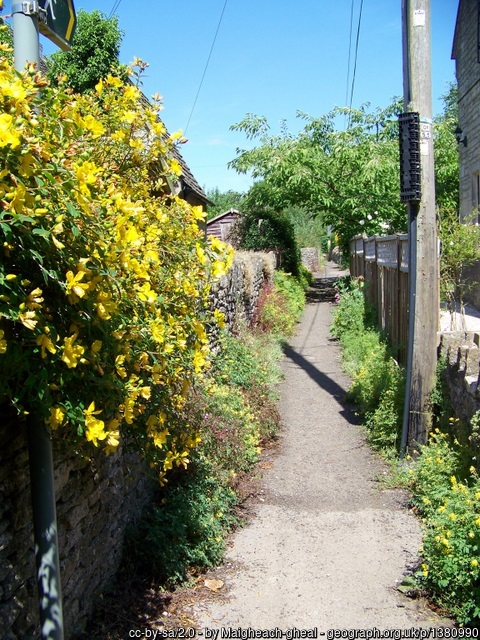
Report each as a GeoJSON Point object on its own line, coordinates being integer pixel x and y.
{"type": "Point", "coordinates": [98, 497]}
{"type": "Point", "coordinates": [462, 377]}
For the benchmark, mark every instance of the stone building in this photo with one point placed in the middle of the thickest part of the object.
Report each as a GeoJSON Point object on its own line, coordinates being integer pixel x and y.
{"type": "Point", "coordinates": [466, 53]}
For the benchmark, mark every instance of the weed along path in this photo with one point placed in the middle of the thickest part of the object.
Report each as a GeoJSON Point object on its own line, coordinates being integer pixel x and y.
{"type": "Point", "coordinates": [325, 546]}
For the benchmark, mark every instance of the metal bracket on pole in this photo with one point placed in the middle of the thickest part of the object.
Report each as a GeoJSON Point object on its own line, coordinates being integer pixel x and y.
{"type": "Point", "coordinates": [30, 8]}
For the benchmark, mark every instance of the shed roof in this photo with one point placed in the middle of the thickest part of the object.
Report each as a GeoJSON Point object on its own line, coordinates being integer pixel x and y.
{"type": "Point", "coordinates": [231, 211]}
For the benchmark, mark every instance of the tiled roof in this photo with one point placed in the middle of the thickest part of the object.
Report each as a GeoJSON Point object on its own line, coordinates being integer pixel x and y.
{"type": "Point", "coordinates": [188, 183]}
{"type": "Point", "coordinates": [187, 179]}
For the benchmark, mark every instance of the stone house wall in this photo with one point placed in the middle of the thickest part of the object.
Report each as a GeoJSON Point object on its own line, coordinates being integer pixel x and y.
{"type": "Point", "coordinates": [98, 497]}
{"type": "Point", "coordinates": [466, 53]}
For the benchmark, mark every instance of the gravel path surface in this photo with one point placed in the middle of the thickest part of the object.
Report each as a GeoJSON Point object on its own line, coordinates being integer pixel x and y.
{"type": "Point", "coordinates": [326, 545]}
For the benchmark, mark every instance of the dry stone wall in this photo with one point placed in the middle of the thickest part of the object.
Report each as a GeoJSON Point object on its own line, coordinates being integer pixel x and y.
{"type": "Point", "coordinates": [310, 259]}
{"type": "Point", "coordinates": [462, 378]}
{"type": "Point", "coordinates": [236, 294]}
{"type": "Point", "coordinates": [98, 497]}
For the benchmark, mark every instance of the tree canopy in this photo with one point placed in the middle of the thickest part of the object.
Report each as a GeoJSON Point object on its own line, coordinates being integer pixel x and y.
{"type": "Point", "coordinates": [223, 201]}
{"type": "Point", "coordinates": [447, 186]}
{"type": "Point", "coordinates": [350, 176]}
{"type": "Point", "coordinates": [94, 53]}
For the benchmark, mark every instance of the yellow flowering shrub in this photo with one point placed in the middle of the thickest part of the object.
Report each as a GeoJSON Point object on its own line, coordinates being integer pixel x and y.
{"type": "Point", "coordinates": [104, 279]}
{"type": "Point", "coordinates": [449, 504]}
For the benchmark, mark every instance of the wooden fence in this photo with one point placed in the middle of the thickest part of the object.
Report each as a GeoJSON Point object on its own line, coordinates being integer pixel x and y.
{"type": "Point", "coordinates": [383, 263]}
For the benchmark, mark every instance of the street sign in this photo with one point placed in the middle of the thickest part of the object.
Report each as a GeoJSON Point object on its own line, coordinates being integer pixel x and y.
{"type": "Point", "coordinates": [57, 21]}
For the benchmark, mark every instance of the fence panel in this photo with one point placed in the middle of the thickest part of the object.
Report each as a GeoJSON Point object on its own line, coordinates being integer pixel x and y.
{"type": "Point", "coordinates": [383, 262]}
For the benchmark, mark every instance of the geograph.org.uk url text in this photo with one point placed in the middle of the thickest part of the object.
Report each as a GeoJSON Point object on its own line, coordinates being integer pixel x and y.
{"type": "Point", "coordinates": [246, 633]}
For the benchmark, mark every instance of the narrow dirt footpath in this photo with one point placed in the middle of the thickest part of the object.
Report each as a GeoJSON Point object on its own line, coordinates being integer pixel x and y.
{"type": "Point", "coordinates": [326, 545]}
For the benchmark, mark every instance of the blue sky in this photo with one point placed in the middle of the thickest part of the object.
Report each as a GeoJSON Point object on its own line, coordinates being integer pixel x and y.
{"type": "Point", "coordinates": [271, 58]}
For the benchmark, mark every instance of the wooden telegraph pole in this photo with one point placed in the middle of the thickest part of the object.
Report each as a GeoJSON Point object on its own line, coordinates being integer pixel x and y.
{"type": "Point", "coordinates": [423, 246]}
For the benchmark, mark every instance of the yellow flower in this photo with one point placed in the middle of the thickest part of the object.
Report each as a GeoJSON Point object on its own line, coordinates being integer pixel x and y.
{"type": "Point", "coordinates": [113, 436]}
{"type": "Point", "coordinates": [93, 125]}
{"type": "Point", "coordinates": [45, 344]}
{"type": "Point", "coordinates": [219, 318]}
{"type": "Point", "coordinates": [128, 411]}
{"type": "Point", "coordinates": [158, 331]}
{"type": "Point", "coordinates": [159, 128]}
{"type": "Point", "coordinates": [8, 132]}
{"type": "Point", "coordinates": [113, 81]}
{"type": "Point", "coordinates": [119, 362]}
{"type": "Point", "coordinates": [86, 173]}
{"type": "Point", "coordinates": [28, 319]}
{"type": "Point", "coordinates": [219, 269]}
{"type": "Point", "coordinates": [136, 143]}
{"type": "Point", "coordinates": [175, 167]}
{"type": "Point", "coordinates": [160, 438]}
{"type": "Point", "coordinates": [129, 117]}
{"type": "Point", "coordinates": [3, 342]}
{"type": "Point", "coordinates": [474, 562]}
{"type": "Point", "coordinates": [57, 416]}
{"type": "Point", "coordinates": [95, 428]}
{"type": "Point", "coordinates": [131, 93]}
{"type": "Point", "coordinates": [34, 299]}
{"type": "Point", "coordinates": [75, 289]}
{"type": "Point", "coordinates": [105, 306]}
{"type": "Point", "coordinates": [201, 254]}
{"type": "Point", "coordinates": [146, 294]}
{"type": "Point", "coordinates": [96, 346]}
{"type": "Point", "coordinates": [72, 352]}
{"type": "Point", "coordinates": [168, 462]}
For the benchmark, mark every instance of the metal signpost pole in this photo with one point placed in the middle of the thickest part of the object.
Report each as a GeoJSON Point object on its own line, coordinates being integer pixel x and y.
{"type": "Point", "coordinates": [26, 50]}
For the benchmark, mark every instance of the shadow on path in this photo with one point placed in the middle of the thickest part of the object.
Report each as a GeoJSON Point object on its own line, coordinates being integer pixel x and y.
{"type": "Point", "coordinates": [324, 381]}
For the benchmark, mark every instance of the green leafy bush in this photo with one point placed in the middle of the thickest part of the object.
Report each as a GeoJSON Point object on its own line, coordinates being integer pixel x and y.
{"type": "Point", "coordinates": [350, 315]}
{"type": "Point", "coordinates": [280, 305]}
{"type": "Point", "coordinates": [188, 527]}
{"type": "Point", "coordinates": [263, 229]}
{"type": "Point", "coordinates": [234, 413]}
{"type": "Point", "coordinates": [378, 381]}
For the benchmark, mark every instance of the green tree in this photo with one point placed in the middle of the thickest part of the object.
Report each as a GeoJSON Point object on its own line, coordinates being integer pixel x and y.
{"type": "Point", "coordinates": [447, 183]}
{"type": "Point", "coordinates": [94, 53]}
{"type": "Point", "coordinates": [6, 39]}
{"type": "Point", "coordinates": [223, 201]}
{"type": "Point", "coordinates": [264, 229]}
{"type": "Point", "coordinates": [351, 175]}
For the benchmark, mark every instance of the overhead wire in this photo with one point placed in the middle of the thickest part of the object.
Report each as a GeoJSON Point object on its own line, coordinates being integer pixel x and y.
{"type": "Point", "coordinates": [206, 66]}
{"type": "Point", "coordinates": [355, 61]}
{"type": "Point", "coordinates": [349, 51]}
{"type": "Point", "coordinates": [116, 4]}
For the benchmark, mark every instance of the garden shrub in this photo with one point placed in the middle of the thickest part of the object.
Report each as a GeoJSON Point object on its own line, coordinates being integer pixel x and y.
{"type": "Point", "coordinates": [280, 305]}
{"type": "Point", "coordinates": [445, 489]}
{"type": "Point", "coordinates": [263, 229]}
{"type": "Point", "coordinates": [188, 527]}
{"type": "Point", "coordinates": [378, 381]}
{"type": "Point", "coordinates": [234, 416]}
{"type": "Point", "coordinates": [450, 507]}
{"type": "Point", "coordinates": [103, 286]}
